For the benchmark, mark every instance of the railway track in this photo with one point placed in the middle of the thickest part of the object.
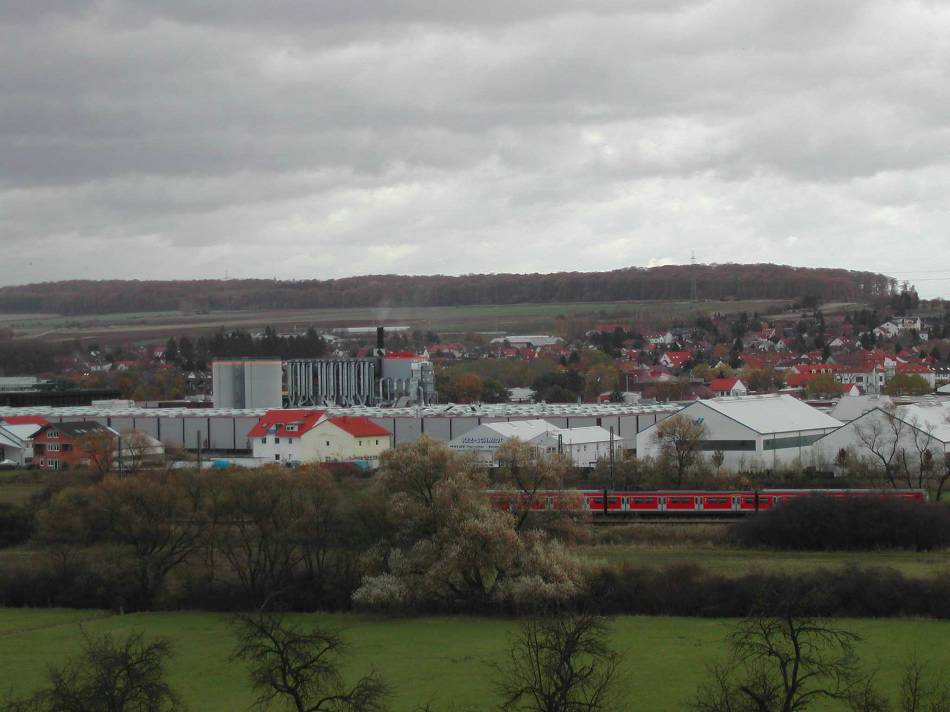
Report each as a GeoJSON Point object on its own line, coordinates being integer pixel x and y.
{"type": "Point", "coordinates": [606, 521]}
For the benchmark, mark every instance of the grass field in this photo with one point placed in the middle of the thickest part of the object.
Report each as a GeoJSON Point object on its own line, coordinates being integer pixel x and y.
{"type": "Point", "coordinates": [734, 561]}
{"type": "Point", "coordinates": [448, 320]}
{"type": "Point", "coordinates": [443, 660]}
{"type": "Point", "coordinates": [19, 486]}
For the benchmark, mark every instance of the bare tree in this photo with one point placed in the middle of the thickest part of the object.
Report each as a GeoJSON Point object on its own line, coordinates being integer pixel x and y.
{"type": "Point", "coordinates": [918, 694]}
{"type": "Point", "coordinates": [784, 664]}
{"type": "Point", "coordinates": [98, 450]}
{"type": "Point", "coordinates": [109, 675]}
{"type": "Point", "coordinates": [679, 439]}
{"type": "Point", "coordinates": [528, 472]}
{"type": "Point", "coordinates": [881, 437]}
{"type": "Point", "coordinates": [560, 664]}
{"type": "Point", "coordinates": [300, 669]}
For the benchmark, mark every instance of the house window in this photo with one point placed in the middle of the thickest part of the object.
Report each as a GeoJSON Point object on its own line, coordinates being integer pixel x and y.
{"type": "Point", "coordinates": [276, 441]}
{"type": "Point", "coordinates": [52, 434]}
{"type": "Point", "coordinates": [277, 456]}
{"type": "Point", "coordinates": [328, 443]}
{"type": "Point", "coordinates": [263, 441]}
{"type": "Point", "coordinates": [52, 447]}
{"type": "Point", "coordinates": [377, 441]}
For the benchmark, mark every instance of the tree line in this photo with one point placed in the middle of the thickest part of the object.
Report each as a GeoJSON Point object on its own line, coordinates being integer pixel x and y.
{"type": "Point", "coordinates": [718, 281]}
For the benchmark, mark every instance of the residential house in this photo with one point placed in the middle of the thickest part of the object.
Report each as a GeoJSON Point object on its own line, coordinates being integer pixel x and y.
{"type": "Point", "coordinates": [728, 387]}
{"type": "Point", "coordinates": [675, 359]}
{"type": "Point", "coordinates": [72, 445]}
{"type": "Point", "coordinates": [298, 436]}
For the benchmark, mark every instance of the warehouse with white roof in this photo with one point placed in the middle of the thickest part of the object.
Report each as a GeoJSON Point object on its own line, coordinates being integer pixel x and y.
{"type": "Point", "coordinates": [584, 446]}
{"type": "Point", "coordinates": [752, 432]}
{"type": "Point", "coordinates": [889, 431]}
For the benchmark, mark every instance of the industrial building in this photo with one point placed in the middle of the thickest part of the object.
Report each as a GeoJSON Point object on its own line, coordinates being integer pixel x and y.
{"type": "Point", "coordinates": [583, 446]}
{"type": "Point", "coordinates": [888, 432]}
{"type": "Point", "coordinates": [247, 383]}
{"type": "Point", "coordinates": [752, 432]}
{"type": "Point", "coordinates": [226, 430]}
{"type": "Point", "coordinates": [387, 378]}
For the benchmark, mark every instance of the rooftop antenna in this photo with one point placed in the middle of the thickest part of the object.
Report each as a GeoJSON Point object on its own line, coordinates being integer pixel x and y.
{"type": "Point", "coordinates": [692, 270]}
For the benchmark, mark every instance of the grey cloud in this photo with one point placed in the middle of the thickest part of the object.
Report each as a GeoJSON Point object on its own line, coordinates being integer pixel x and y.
{"type": "Point", "coordinates": [308, 139]}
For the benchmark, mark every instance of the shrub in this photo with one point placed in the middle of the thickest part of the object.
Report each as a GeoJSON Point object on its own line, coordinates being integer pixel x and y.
{"type": "Point", "coordinates": [825, 523]}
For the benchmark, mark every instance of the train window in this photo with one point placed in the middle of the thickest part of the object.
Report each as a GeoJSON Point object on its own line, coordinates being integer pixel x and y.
{"type": "Point", "coordinates": [644, 500]}
{"type": "Point", "coordinates": [613, 500]}
{"type": "Point", "coordinates": [717, 500]}
{"type": "Point", "coordinates": [596, 500]}
{"type": "Point", "coordinates": [680, 500]}
{"type": "Point", "coordinates": [748, 500]}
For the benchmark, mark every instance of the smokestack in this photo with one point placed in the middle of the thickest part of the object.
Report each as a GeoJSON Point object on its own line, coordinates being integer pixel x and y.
{"type": "Point", "coordinates": [380, 337]}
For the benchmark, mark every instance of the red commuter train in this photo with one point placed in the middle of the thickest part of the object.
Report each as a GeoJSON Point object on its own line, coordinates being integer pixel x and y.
{"type": "Point", "coordinates": [672, 502]}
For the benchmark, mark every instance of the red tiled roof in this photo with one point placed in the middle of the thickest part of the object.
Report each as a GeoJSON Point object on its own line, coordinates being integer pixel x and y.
{"type": "Point", "coordinates": [24, 420]}
{"type": "Point", "coordinates": [276, 422]}
{"type": "Point", "coordinates": [718, 385]}
{"type": "Point", "coordinates": [359, 426]}
{"type": "Point", "coordinates": [678, 358]}
{"type": "Point", "coordinates": [913, 368]}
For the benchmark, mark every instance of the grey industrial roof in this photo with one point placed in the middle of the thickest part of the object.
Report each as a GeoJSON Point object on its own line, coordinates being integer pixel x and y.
{"type": "Point", "coordinates": [449, 410]}
{"type": "Point", "coordinates": [772, 413]}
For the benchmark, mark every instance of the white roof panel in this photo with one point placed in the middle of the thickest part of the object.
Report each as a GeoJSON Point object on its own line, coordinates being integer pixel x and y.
{"type": "Point", "coordinates": [772, 413]}
{"type": "Point", "coordinates": [448, 410]}
{"type": "Point", "coordinates": [580, 436]}
{"type": "Point", "coordinates": [929, 417]}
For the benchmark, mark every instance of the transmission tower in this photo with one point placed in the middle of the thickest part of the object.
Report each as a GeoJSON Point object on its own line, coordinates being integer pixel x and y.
{"type": "Point", "coordinates": [692, 270]}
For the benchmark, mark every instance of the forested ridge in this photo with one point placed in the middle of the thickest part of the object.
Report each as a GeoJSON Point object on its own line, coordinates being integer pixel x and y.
{"type": "Point", "coordinates": [720, 281]}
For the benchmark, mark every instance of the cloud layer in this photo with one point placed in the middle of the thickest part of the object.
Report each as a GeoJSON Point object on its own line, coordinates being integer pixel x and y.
{"type": "Point", "coordinates": [321, 139]}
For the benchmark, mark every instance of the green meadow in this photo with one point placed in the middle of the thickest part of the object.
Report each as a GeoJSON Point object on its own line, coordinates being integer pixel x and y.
{"type": "Point", "coordinates": [445, 661]}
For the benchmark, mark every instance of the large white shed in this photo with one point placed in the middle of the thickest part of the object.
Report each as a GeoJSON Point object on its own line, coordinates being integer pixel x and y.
{"type": "Point", "coordinates": [752, 432]}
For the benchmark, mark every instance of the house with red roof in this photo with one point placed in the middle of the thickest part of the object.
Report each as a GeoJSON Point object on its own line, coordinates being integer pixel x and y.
{"type": "Point", "coordinates": [918, 369]}
{"type": "Point", "coordinates": [675, 359]}
{"type": "Point", "coordinates": [728, 387]}
{"type": "Point", "coordinates": [298, 436]}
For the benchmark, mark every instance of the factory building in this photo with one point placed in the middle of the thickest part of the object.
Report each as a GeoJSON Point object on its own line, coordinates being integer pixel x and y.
{"type": "Point", "coordinates": [890, 432]}
{"type": "Point", "coordinates": [752, 432]}
{"type": "Point", "coordinates": [226, 430]}
{"type": "Point", "coordinates": [247, 383]}
{"type": "Point", "coordinates": [398, 378]}
{"type": "Point", "coordinates": [582, 446]}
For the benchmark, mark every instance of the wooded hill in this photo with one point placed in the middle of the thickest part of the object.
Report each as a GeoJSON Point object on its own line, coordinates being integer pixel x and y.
{"type": "Point", "coordinates": [719, 281]}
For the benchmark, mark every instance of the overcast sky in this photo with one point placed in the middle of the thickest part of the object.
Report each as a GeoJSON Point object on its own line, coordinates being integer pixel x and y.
{"type": "Point", "coordinates": [324, 138]}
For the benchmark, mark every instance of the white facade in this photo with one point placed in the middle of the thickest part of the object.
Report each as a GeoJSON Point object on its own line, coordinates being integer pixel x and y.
{"type": "Point", "coordinates": [583, 446]}
{"type": "Point", "coordinates": [752, 432]}
{"type": "Point", "coordinates": [325, 442]}
{"type": "Point", "coordinates": [887, 431]}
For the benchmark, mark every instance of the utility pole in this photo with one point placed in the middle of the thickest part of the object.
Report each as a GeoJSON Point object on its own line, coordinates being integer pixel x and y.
{"type": "Point", "coordinates": [119, 441]}
{"type": "Point", "coordinates": [611, 457]}
{"type": "Point", "coordinates": [198, 439]}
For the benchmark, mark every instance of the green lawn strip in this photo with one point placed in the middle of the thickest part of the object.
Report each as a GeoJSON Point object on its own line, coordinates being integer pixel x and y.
{"type": "Point", "coordinates": [442, 660]}
{"type": "Point", "coordinates": [729, 561]}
